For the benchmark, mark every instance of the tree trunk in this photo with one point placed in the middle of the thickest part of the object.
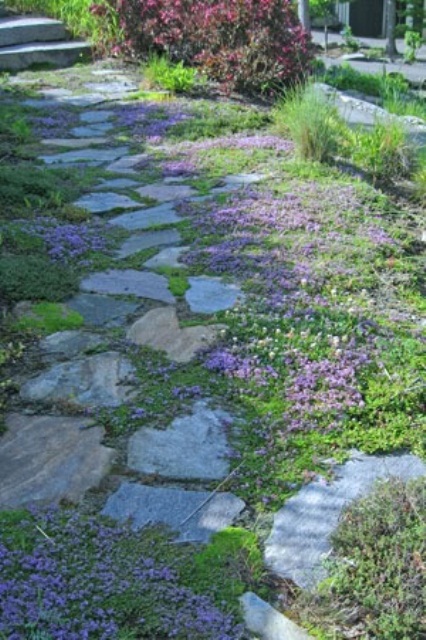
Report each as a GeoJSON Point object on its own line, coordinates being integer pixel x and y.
{"type": "Point", "coordinates": [303, 10]}
{"type": "Point", "coordinates": [390, 28]}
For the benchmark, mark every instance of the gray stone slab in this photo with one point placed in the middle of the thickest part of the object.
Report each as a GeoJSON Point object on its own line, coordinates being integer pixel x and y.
{"type": "Point", "coordinates": [299, 540]}
{"type": "Point", "coordinates": [159, 329]}
{"type": "Point", "coordinates": [166, 192]}
{"type": "Point", "coordinates": [193, 447]}
{"type": "Point", "coordinates": [93, 157]}
{"type": "Point", "coordinates": [97, 380]}
{"type": "Point", "coordinates": [73, 143]}
{"type": "Point", "coordinates": [147, 240]}
{"type": "Point", "coordinates": [146, 218]}
{"type": "Point", "coordinates": [68, 344]}
{"type": "Point", "coordinates": [167, 258]}
{"type": "Point", "coordinates": [93, 130]}
{"type": "Point", "coordinates": [103, 202]}
{"type": "Point", "coordinates": [116, 183]}
{"type": "Point", "coordinates": [191, 514]}
{"type": "Point", "coordinates": [128, 164]}
{"type": "Point", "coordinates": [19, 30]}
{"type": "Point", "coordinates": [102, 311]}
{"type": "Point", "coordinates": [58, 54]}
{"type": "Point", "coordinates": [55, 93]}
{"type": "Point", "coordinates": [96, 117]}
{"type": "Point", "coordinates": [85, 100]}
{"type": "Point", "coordinates": [244, 178]}
{"type": "Point", "coordinates": [120, 87]}
{"type": "Point", "coordinates": [45, 459]}
{"type": "Point", "coordinates": [125, 282]}
{"type": "Point", "coordinates": [268, 623]}
{"type": "Point", "coordinates": [208, 295]}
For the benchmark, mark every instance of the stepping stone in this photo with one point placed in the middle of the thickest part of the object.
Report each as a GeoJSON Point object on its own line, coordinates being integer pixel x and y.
{"type": "Point", "coordinates": [159, 329]}
{"type": "Point", "coordinates": [146, 218]}
{"type": "Point", "coordinates": [244, 178]}
{"type": "Point", "coordinates": [96, 117]}
{"type": "Point", "coordinates": [55, 93]}
{"type": "Point", "coordinates": [105, 201]}
{"type": "Point", "coordinates": [95, 380]}
{"type": "Point", "coordinates": [128, 164]}
{"type": "Point", "coordinates": [165, 192]}
{"type": "Point", "coordinates": [93, 130]}
{"type": "Point", "coordinates": [147, 240]}
{"type": "Point", "coordinates": [167, 258]}
{"type": "Point", "coordinates": [127, 282]}
{"type": "Point", "coordinates": [117, 183]}
{"type": "Point", "coordinates": [92, 157]}
{"type": "Point", "coordinates": [299, 540]}
{"type": "Point", "coordinates": [208, 295]}
{"type": "Point", "coordinates": [268, 623]}
{"type": "Point", "coordinates": [193, 447]}
{"type": "Point", "coordinates": [191, 514]}
{"type": "Point", "coordinates": [45, 459]}
{"type": "Point", "coordinates": [116, 88]}
{"type": "Point", "coordinates": [86, 100]}
{"type": "Point", "coordinates": [102, 311]}
{"type": "Point", "coordinates": [68, 344]}
{"type": "Point", "coordinates": [72, 143]}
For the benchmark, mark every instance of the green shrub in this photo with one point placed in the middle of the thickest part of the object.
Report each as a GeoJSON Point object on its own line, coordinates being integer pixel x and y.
{"type": "Point", "coordinates": [160, 72]}
{"type": "Point", "coordinates": [386, 151]}
{"type": "Point", "coordinates": [35, 278]}
{"type": "Point", "coordinates": [312, 121]}
{"type": "Point", "coordinates": [378, 570]}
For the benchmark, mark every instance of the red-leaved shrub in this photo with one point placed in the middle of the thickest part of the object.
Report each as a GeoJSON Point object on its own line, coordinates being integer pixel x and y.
{"type": "Point", "coordinates": [248, 45]}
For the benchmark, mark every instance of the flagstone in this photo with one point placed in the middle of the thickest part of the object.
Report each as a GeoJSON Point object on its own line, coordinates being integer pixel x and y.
{"type": "Point", "coordinates": [208, 295]}
{"type": "Point", "coordinates": [165, 192]}
{"type": "Point", "coordinates": [116, 183]}
{"type": "Point", "coordinates": [73, 143]}
{"type": "Point", "coordinates": [93, 130]}
{"type": "Point", "coordinates": [45, 459]}
{"type": "Point", "coordinates": [147, 240]}
{"type": "Point", "coordinates": [102, 311]}
{"type": "Point", "coordinates": [68, 344]}
{"type": "Point", "coordinates": [92, 157]}
{"type": "Point", "coordinates": [128, 164]}
{"type": "Point", "coordinates": [167, 258]}
{"type": "Point", "coordinates": [146, 218]}
{"type": "Point", "coordinates": [96, 117]}
{"type": "Point", "coordinates": [159, 329]}
{"type": "Point", "coordinates": [142, 284]}
{"type": "Point", "coordinates": [112, 87]}
{"type": "Point", "coordinates": [268, 623]}
{"type": "Point", "coordinates": [98, 380]}
{"type": "Point", "coordinates": [193, 447]}
{"type": "Point", "coordinates": [300, 537]}
{"type": "Point", "coordinates": [194, 515]}
{"type": "Point", "coordinates": [103, 202]}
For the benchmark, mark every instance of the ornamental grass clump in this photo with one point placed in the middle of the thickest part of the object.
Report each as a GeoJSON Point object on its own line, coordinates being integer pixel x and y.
{"type": "Point", "coordinates": [312, 122]}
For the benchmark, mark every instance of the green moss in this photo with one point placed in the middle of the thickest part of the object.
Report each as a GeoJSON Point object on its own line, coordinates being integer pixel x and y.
{"type": "Point", "coordinates": [49, 317]}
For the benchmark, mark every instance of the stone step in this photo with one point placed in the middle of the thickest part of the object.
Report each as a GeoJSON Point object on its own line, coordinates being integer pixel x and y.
{"type": "Point", "coordinates": [58, 54]}
{"type": "Point", "coordinates": [20, 30]}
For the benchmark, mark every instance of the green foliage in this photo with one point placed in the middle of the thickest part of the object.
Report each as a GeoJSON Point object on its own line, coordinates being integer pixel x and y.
{"type": "Point", "coordinates": [35, 278]}
{"type": "Point", "coordinates": [49, 317]}
{"type": "Point", "coordinates": [17, 530]}
{"type": "Point", "coordinates": [378, 563]}
{"type": "Point", "coordinates": [351, 43]}
{"type": "Point", "coordinates": [312, 121]}
{"type": "Point", "coordinates": [345, 77]}
{"type": "Point", "coordinates": [413, 42]}
{"type": "Point", "coordinates": [386, 151]}
{"type": "Point", "coordinates": [227, 567]}
{"type": "Point", "coordinates": [160, 72]}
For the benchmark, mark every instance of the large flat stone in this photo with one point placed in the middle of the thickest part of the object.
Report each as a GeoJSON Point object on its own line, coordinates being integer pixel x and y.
{"type": "Point", "coordinates": [94, 157]}
{"type": "Point", "coordinates": [116, 183]}
{"type": "Point", "coordinates": [92, 381]}
{"type": "Point", "coordinates": [299, 540]}
{"type": "Point", "coordinates": [73, 143]}
{"type": "Point", "coordinates": [85, 100]}
{"type": "Point", "coordinates": [19, 30]}
{"type": "Point", "coordinates": [147, 240]}
{"type": "Point", "coordinates": [128, 164]}
{"type": "Point", "coordinates": [166, 192]}
{"type": "Point", "coordinates": [96, 117]}
{"type": "Point", "coordinates": [191, 514]}
{"type": "Point", "coordinates": [159, 329]}
{"type": "Point", "coordinates": [142, 284]}
{"type": "Point", "coordinates": [146, 218]}
{"type": "Point", "coordinates": [193, 447]}
{"type": "Point", "coordinates": [57, 54]}
{"type": "Point", "coordinates": [268, 623]}
{"type": "Point", "coordinates": [167, 258]}
{"type": "Point", "coordinates": [68, 344]}
{"type": "Point", "coordinates": [46, 459]}
{"type": "Point", "coordinates": [208, 295]}
{"type": "Point", "coordinates": [117, 87]}
{"type": "Point", "coordinates": [93, 130]}
{"type": "Point", "coordinates": [102, 311]}
{"type": "Point", "coordinates": [105, 201]}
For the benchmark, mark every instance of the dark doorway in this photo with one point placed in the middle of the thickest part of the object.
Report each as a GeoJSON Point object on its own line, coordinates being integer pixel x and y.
{"type": "Point", "coordinates": [366, 18]}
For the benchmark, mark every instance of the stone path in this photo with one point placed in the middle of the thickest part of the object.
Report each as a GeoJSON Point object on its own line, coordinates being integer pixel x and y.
{"type": "Point", "coordinates": [48, 457]}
